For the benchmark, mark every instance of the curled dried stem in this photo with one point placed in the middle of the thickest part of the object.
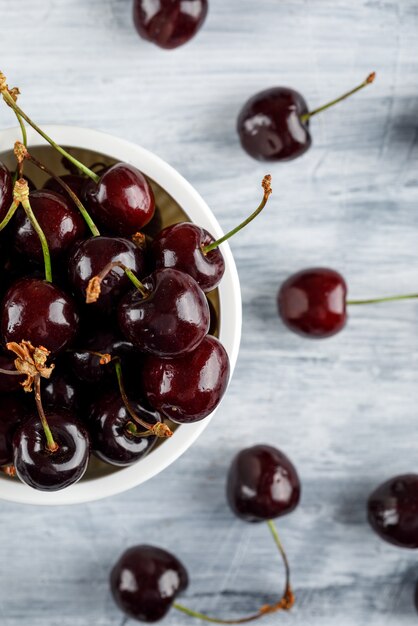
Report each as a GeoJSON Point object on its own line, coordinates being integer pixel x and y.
{"type": "Point", "coordinates": [31, 362]}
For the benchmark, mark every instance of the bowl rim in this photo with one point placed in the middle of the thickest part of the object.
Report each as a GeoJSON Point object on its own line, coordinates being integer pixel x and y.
{"type": "Point", "coordinates": [229, 296]}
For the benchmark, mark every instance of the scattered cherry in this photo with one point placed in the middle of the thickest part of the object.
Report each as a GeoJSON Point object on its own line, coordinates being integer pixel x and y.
{"type": "Point", "coordinates": [122, 201]}
{"type": "Point", "coordinates": [262, 484]}
{"type": "Point", "coordinates": [60, 220]}
{"type": "Point", "coordinates": [92, 255]}
{"type": "Point", "coordinates": [313, 302]}
{"type": "Point", "coordinates": [274, 124]}
{"type": "Point", "coordinates": [169, 23]}
{"type": "Point", "coordinates": [145, 582]}
{"type": "Point", "coordinates": [170, 317]}
{"type": "Point", "coordinates": [42, 469]}
{"type": "Point", "coordinates": [40, 313]}
{"type": "Point", "coordinates": [187, 388]}
{"type": "Point", "coordinates": [116, 439]}
{"type": "Point", "coordinates": [392, 511]}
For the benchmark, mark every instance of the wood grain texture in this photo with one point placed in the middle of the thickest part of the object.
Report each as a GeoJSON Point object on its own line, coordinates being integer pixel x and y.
{"type": "Point", "coordinates": [345, 410]}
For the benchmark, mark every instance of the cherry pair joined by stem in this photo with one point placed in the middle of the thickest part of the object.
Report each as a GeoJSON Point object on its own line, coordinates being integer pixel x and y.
{"type": "Point", "coordinates": [146, 580]}
{"type": "Point", "coordinates": [274, 124]}
{"type": "Point", "coordinates": [169, 23]}
{"type": "Point", "coordinates": [313, 302]}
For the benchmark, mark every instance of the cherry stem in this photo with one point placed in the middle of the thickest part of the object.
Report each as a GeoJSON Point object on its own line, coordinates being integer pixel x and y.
{"type": "Point", "coordinates": [9, 214]}
{"type": "Point", "coordinates": [83, 168]}
{"type": "Point", "coordinates": [94, 287]}
{"type": "Point", "coordinates": [51, 445]}
{"type": "Point", "coordinates": [368, 81]}
{"type": "Point", "coordinates": [266, 184]}
{"type": "Point", "coordinates": [44, 244]}
{"type": "Point", "coordinates": [285, 604]}
{"type": "Point", "coordinates": [408, 296]}
{"type": "Point", "coordinates": [10, 373]}
{"type": "Point", "coordinates": [92, 226]}
{"type": "Point", "coordinates": [9, 470]}
{"type": "Point", "coordinates": [132, 430]}
{"type": "Point", "coordinates": [159, 429]}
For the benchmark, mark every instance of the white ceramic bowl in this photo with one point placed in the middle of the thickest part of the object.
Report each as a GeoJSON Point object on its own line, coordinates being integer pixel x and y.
{"type": "Point", "coordinates": [229, 300]}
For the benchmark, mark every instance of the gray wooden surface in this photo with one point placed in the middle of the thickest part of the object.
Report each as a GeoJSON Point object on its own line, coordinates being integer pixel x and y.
{"type": "Point", "coordinates": [345, 410]}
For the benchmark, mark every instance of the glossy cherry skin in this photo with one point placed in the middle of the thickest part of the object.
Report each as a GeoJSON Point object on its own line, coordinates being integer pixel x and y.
{"type": "Point", "coordinates": [262, 484]}
{"type": "Point", "coordinates": [270, 125]}
{"type": "Point", "coordinates": [123, 201]}
{"type": "Point", "coordinates": [61, 392]}
{"type": "Point", "coordinates": [392, 511]}
{"type": "Point", "coordinates": [86, 366]}
{"type": "Point", "coordinates": [312, 303]}
{"type": "Point", "coordinates": [39, 312]}
{"type": "Point", "coordinates": [60, 220]}
{"type": "Point", "coordinates": [172, 319]}
{"type": "Point", "coordinates": [13, 412]}
{"type": "Point", "coordinates": [187, 388]}
{"type": "Point", "coordinates": [6, 190]}
{"type": "Point", "coordinates": [41, 469]}
{"type": "Point", "coordinates": [91, 256]}
{"type": "Point", "coordinates": [169, 23]}
{"type": "Point", "coordinates": [181, 247]}
{"type": "Point", "coordinates": [145, 581]}
{"type": "Point", "coordinates": [74, 182]}
{"type": "Point", "coordinates": [111, 441]}
{"type": "Point", "coordinates": [8, 383]}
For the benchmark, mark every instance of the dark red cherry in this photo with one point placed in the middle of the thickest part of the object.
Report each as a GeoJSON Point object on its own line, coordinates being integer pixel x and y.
{"type": "Point", "coordinates": [51, 471]}
{"type": "Point", "coordinates": [173, 318]}
{"type": "Point", "coordinates": [262, 484]}
{"type": "Point", "coordinates": [8, 383]}
{"type": "Point", "coordinates": [74, 181]}
{"type": "Point", "coordinates": [112, 441]}
{"type": "Point", "coordinates": [60, 220]}
{"type": "Point", "coordinates": [270, 125]}
{"type": "Point", "coordinates": [36, 311]}
{"type": "Point", "coordinates": [91, 256]}
{"type": "Point", "coordinates": [13, 412]}
{"type": "Point", "coordinates": [145, 581]}
{"type": "Point", "coordinates": [313, 302]}
{"type": "Point", "coordinates": [187, 388]}
{"type": "Point", "coordinates": [169, 23]}
{"type": "Point", "coordinates": [181, 247]}
{"type": "Point", "coordinates": [86, 365]}
{"type": "Point", "coordinates": [61, 392]}
{"type": "Point", "coordinates": [41, 469]}
{"type": "Point", "coordinates": [123, 201]}
{"type": "Point", "coordinates": [6, 190]}
{"type": "Point", "coordinates": [392, 510]}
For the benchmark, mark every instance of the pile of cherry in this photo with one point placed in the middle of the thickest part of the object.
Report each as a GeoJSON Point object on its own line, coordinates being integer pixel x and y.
{"type": "Point", "coordinates": [105, 334]}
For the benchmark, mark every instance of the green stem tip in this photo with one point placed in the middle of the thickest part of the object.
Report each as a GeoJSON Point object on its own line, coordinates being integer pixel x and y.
{"type": "Point", "coordinates": [408, 296]}
{"type": "Point", "coordinates": [368, 81]}
{"type": "Point", "coordinates": [266, 184]}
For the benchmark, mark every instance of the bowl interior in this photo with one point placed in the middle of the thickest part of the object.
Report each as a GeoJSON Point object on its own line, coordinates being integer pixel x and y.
{"type": "Point", "coordinates": [168, 212]}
